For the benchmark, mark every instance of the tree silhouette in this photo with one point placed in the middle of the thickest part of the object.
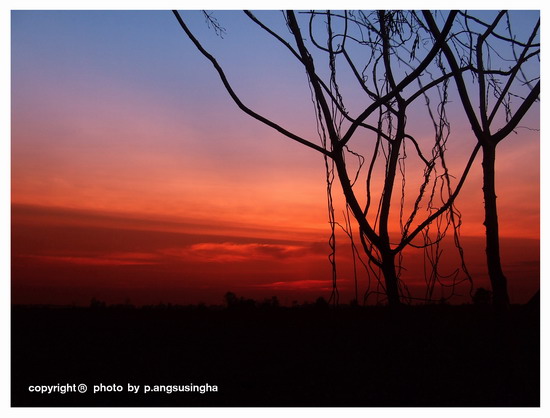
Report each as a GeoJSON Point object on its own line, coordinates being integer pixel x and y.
{"type": "Point", "coordinates": [505, 70]}
{"type": "Point", "coordinates": [481, 297]}
{"type": "Point", "coordinates": [395, 62]}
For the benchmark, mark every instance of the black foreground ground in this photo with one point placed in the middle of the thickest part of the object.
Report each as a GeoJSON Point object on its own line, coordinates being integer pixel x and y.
{"type": "Point", "coordinates": [370, 357]}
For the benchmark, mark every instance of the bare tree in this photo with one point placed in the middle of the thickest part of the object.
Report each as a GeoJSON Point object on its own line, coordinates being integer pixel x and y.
{"type": "Point", "coordinates": [506, 75]}
{"type": "Point", "coordinates": [395, 61]}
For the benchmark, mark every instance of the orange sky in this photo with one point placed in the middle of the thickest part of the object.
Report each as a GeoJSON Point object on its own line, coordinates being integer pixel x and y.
{"type": "Point", "coordinates": [134, 176]}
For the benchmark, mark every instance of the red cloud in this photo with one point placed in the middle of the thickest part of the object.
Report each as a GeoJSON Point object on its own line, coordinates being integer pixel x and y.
{"type": "Point", "coordinates": [236, 252]}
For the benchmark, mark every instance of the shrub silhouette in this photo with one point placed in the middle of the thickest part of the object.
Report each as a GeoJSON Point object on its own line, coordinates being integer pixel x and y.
{"type": "Point", "coordinates": [482, 297]}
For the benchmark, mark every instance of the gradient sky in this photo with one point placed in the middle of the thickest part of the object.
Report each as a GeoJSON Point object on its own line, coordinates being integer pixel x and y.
{"type": "Point", "coordinates": [134, 176]}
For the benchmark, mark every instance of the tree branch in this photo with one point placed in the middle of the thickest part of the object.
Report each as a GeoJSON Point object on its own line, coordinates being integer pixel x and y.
{"type": "Point", "coordinates": [459, 80]}
{"type": "Point", "coordinates": [440, 42]}
{"type": "Point", "coordinates": [236, 98]}
{"type": "Point", "coordinates": [525, 106]}
{"type": "Point", "coordinates": [443, 208]}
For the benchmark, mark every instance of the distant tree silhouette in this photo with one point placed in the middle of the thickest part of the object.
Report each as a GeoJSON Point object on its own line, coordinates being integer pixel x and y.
{"type": "Point", "coordinates": [97, 304]}
{"type": "Point", "coordinates": [321, 303]}
{"type": "Point", "coordinates": [481, 297]}
{"type": "Point", "coordinates": [271, 303]}
{"type": "Point", "coordinates": [506, 75]}
{"type": "Point", "coordinates": [395, 61]}
{"type": "Point", "coordinates": [234, 302]}
{"type": "Point", "coordinates": [231, 299]}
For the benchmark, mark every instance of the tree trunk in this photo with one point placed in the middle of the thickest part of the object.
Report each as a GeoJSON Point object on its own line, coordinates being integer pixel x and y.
{"type": "Point", "coordinates": [498, 279]}
{"type": "Point", "coordinates": [390, 278]}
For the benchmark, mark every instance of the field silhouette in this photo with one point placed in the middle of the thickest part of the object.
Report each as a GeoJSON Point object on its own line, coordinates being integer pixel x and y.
{"type": "Point", "coordinates": [261, 354]}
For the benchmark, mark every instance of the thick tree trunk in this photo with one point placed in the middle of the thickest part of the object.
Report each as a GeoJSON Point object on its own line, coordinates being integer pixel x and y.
{"type": "Point", "coordinates": [390, 279]}
{"type": "Point", "coordinates": [498, 279]}
{"type": "Point", "coordinates": [387, 263]}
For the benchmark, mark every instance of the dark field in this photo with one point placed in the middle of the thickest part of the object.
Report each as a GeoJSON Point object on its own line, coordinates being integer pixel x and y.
{"type": "Point", "coordinates": [307, 356]}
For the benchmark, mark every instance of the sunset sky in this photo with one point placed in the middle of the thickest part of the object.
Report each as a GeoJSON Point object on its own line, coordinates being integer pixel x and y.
{"type": "Point", "coordinates": [135, 177]}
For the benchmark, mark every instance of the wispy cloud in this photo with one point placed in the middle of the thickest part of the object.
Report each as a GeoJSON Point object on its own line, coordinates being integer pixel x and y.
{"type": "Point", "coordinates": [320, 285]}
{"type": "Point", "coordinates": [116, 259]}
{"type": "Point", "coordinates": [204, 252]}
{"type": "Point", "coordinates": [237, 252]}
